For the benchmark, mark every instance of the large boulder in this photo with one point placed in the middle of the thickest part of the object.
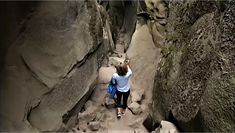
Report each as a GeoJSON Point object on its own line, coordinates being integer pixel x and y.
{"type": "Point", "coordinates": [144, 56]}
{"type": "Point", "coordinates": [78, 81]}
{"type": "Point", "coordinates": [58, 45]}
{"type": "Point", "coordinates": [135, 108]}
{"type": "Point", "coordinates": [137, 95]}
{"type": "Point", "coordinates": [105, 74]}
{"type": "Point", "coordinates": [94, 125]}
{"type": "Point", "coordinates": [166, 127]}
{"type": "Point", "coordinates": [51, 68]}
{"type": "Point", "coordinates": [194, 84]}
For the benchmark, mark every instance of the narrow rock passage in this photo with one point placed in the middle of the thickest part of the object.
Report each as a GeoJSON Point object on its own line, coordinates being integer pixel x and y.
{"type": "Point", "coordinates": [144, 57]}
{"type": "Point", "coordinates": [57, 58]}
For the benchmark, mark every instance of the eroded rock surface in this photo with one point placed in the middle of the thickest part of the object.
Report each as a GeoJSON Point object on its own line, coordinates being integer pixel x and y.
{"type": "Point", "coordinates": [53, 65]}
{"type": "Point", "coordinates": [195, 78]}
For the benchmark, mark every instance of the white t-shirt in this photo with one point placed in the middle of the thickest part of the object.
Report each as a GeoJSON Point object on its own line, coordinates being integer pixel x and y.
{"type": "Point", "coordinates": [122, 81]}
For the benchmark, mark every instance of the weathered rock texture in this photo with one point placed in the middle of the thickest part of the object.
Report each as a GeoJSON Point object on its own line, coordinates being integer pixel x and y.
{"type": "Point", "coordinates": [196, 76]}
{"type": "Point", "coordinates": [52, 66]}
{"type": "Point", "coordinates": [144, 57]}
{"type": "Point", "coordinates": [158, 11]}
{"type": "Point", "coordinates": [13, 17]}
{"type": "Point", "coordinates": [123, 20]}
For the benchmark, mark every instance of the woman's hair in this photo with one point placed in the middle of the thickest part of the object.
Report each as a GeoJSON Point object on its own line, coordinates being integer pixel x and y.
{"type": "Point", "coordinates": [122, 69]}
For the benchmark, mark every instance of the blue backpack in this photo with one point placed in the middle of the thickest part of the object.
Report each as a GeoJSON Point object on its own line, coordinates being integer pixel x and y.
{"type": "Point", "coordinates": [111, 89]}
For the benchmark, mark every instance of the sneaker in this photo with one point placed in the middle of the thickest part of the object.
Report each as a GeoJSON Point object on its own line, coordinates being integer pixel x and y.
{"type": "Point", "coordinates": [119, 115]}
{"type": "Point", "coordinates": [123, 111]}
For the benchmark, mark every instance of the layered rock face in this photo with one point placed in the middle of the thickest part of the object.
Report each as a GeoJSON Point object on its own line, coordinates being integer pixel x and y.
{"type": "Point", "coordinates": [195, 84]}
{"type": "Point", "coordinates": [52, 66]}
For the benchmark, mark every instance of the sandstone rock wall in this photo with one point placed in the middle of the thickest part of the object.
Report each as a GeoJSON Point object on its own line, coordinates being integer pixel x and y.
{"type": "Point", "coordinates": [194, 84]}
{"type": "Point", "coordinates": [52, 65]}
{"type": "Point", "coordinates": [13, 17]}
{"type": "Point", "coordinates": [144, 57]}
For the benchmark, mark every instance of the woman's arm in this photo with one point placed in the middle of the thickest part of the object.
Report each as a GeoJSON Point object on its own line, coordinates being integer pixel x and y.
{"type": "Point", "coordinates": [113, 80]}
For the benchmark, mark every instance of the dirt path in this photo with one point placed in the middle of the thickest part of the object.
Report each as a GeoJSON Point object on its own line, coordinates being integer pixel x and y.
{"type": "Point", "coordinates": [129, 123]}
{"type": "Point", "coordinates": [144, 58]}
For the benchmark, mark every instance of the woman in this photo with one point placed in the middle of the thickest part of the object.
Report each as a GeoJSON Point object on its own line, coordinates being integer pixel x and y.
{"type": "Point", "coordinates": [121, 79]}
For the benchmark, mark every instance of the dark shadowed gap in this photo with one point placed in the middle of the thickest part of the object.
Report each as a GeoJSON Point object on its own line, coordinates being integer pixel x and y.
{"type": "Point", "coordinates": [150, 124]}
{"type": "Point", "coordinates": [175, 122]}
{"type": "Point", "coordinates": [194, 125]}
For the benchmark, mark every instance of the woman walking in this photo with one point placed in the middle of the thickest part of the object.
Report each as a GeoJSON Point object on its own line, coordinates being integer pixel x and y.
{"type": "Point", "coordinates": [121, 79]}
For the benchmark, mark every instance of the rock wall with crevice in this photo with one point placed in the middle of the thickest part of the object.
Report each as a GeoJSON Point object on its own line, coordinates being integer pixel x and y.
{"type": "Point", "coordinates": [194, 84]}
{"type": "Point", "coordinates": [123, 20]}
{"type": "Point", "coordinates": [52, 66]}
